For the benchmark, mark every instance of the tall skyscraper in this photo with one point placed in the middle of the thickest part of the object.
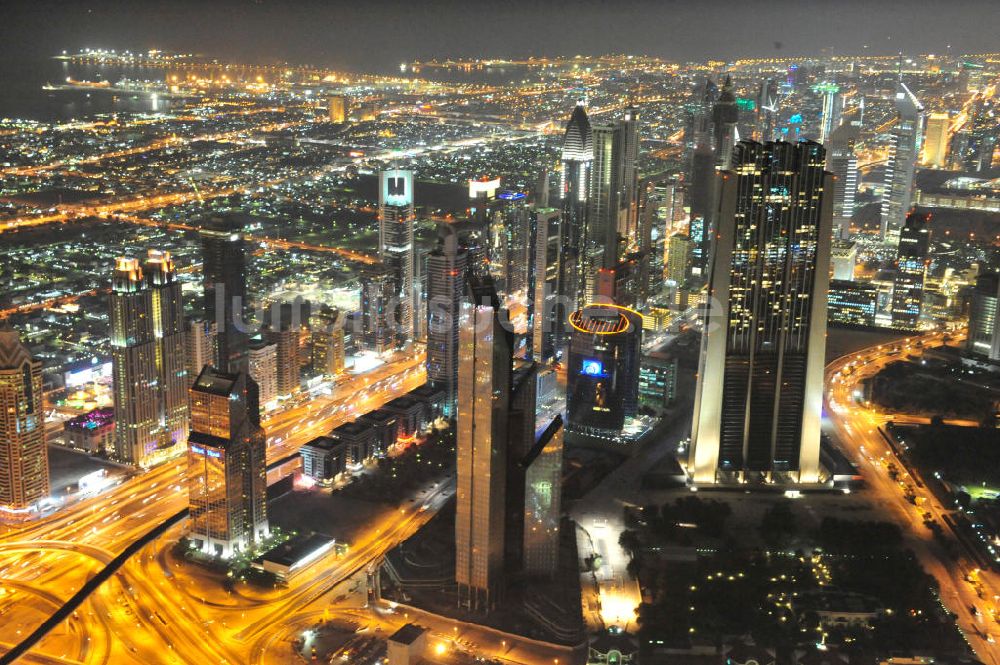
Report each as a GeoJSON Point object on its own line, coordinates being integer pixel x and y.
{"type": "Point", "coordinates": [262, 358]}
{"type": "Point", "coordinates": [904, 150]}
{"type": "Point", "coordinates": [936, 143]}
{"type": "Point", "coordinates": [133, 359]}
{"type": "Point", "coordinates": [327, 352]}
{"type": "Point", "coordinates": [911, 269]}
{"type": "Point", "coordinates": [984, 318]}
{"type": "Point", "coordinates": [546, 311]}
{"type": "Point", "coordinates": [484, 377]}
{"type": "Point", "coordinates": [169, 332]}
{"type": "Point", "coordinates": [767, 110]}
{"type": "Point", "coordinates": [613, 204]}
{"type": "Point", "coordinates": [725, 115]}
{"type": "Point", "coordinates": [227, 481]}
{"type": "Point", "coordinates": [224, 275]}
{"type": "Point", "coordinates": [24, 458]}
{"type": "Point", "coordinates": [447, 266]}
{"type": "Point", "coordinates": [678, 259]}
{"type": "Point", "coordinates": [200, 348]}
{"type": "Point", "coordinates": [701, 194]}
{"type": "Point", "coordinates": [378, 286]}
{"type": "Point", "coordinates": [843, 164]}
{"type": "Point", "coordinates": [574, 189]}
{"type": "Point", "coordinates": [602, 372]}
{"type": "Point", "coordinates": [336, 107]}
{"type": "Point", "coordinates": [833, 106]}
{"type": "Point", "coordinates": [843, 258]}
{"type": "Point", "coordinates": [543, 502]}
{"type": "Point", "coordinates": [396, 248]}
{"type": "Point", "coordinates": [760, 381]}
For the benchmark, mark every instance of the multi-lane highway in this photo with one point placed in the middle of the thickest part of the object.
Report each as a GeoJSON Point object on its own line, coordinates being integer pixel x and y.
{"type": "Point", "coordinates": [856, 428]}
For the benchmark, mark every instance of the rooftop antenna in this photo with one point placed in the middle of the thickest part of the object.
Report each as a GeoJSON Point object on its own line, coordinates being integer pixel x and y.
{"type": "Point", "coordinates": [899, 67]}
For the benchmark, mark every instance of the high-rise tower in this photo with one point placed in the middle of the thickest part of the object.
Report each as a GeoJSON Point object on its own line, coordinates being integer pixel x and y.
{"type": "Point", "coordinates": [843, 164]}
{"type": "Point", "coordinates": [396, 249]}
{"type": "Point", "coordinates": [224, 268]}
{"type": "Point", "coordinates": [760, 382]}
{"type": "Point", "coordinates": [484, 377]}
{"type": "Point", "coordinates": [911, 269]}
{"type": "Point", "coordinates": [24, 458]}
{"type": "Point", "coordinates": [574, 190]}
{"type": "Point", "coordinates": [725, 115]}
{"type": "Point", "coordinates": [133, 359]}
{"type": "Point", "coordinates": [227, 481]}
{"type": "Point", "coordinates": [447, 265]}
{"type": "Point", "coordinates": [904, 151]}
{"type": "Point", "coordinates": [169, 333]}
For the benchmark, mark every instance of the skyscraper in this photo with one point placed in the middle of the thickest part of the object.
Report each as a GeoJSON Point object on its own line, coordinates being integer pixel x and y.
{"type": "Point", "coordinates": [936, 143]}
{"type": "Point", "coordinates": [200, 348]}
{"type": "Point", "coordinates": [227, 482]}
{"type": "Point", "coordinates": [447, 265]}
{"type": "Point", "coordinates": [547, 313]}
{"type": "Point", "coordinates": [678, 259]}
{"type": "Point", "coordinates": [24, 458]}
{"type": "Point", "coordinates": [543, 502]}
{"type": "Point", "coordinates": [169, 332]}
{"type": "Point", "coordinates": [484, 376]}
{"type": "Point", "coordinates": [725, 115]}
{"type": "Point", "coordinates": [833, 106]}
{"type": "Point", "coordinates": [760, 382]}
{"type": "Point", "coordinates": [378, 286]}
{"type": "Point", "coordinates": [701, 194]}
{"type": "Point", "coordinates": [911, 269]}
{"type": "Point", "coordinates": [602, 372]}
{"type": "Point", "coordinates": [577, 158]}
{"type": "Point", "coordinates": [336, 108]}
{"type": "Point", "coordinates": [843, 164]}
{"type": "Point", "coordinates": [613, 205]}
{"type": "Point", "coordinates": [133, 360]}
{"type": "Point", "coordinates": [262, 358]}
{"type": "Point", "coordinates": [224, 268]}
{"type": "Point", "coordinates": [984, 318]}
{"type": "Point", "coordinates": [904, 150]}
{"type": "Point", "coordinates": [328, 343]}
{"type": "Point", "coordinates": [396, 249]}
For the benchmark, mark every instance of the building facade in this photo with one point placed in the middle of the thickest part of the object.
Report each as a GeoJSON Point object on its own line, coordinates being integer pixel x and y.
{"type": "Point", "coordinates": [912, 259]}
{"type": "Point", "coordinates": [760, 381]}
{"type": "Point", "coordinates": [904, 151]}
{"type": "Point", "coordinates": [24, 458]}
{"type": "Point", "coordinates": [396, 215]}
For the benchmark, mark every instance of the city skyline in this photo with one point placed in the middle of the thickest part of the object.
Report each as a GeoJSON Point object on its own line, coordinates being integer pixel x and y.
{"type": "Point", "coordinates": [573, 360]}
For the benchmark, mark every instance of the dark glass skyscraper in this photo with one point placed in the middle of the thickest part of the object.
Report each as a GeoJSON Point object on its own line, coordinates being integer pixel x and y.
{"type": "Point", "coordinates": [760, 383]}
{"type": "Point", "coordinates": [447, 265]}
{"type": "Point", "coordinates": [574, 191]}
{"type": "Point", "coordinates": [911, 269]}
{"type": "Point", "coordinates": [224, 276]}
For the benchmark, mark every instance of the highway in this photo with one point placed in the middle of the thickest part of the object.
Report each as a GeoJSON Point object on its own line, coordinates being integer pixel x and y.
{"type": "Point", "coordinates": [856, 427]}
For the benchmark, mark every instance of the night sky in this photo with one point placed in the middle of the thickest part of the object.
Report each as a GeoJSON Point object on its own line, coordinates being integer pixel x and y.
{"type": "Point", "coordinates": [378, 35]}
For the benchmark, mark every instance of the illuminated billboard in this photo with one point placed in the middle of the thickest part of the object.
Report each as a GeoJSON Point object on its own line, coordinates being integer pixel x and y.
{"type": "Point", "coordinates": [396, 187]}
{"type": "Point", "coordinates": [484, 187]}
{"type": "Point", "coordinates": [592, 368]}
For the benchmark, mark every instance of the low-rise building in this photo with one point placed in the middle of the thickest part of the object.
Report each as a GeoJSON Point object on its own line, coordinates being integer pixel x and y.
{"type": "Point", "coordinates": [91, 432]}
{"type": "Point", "coordinates": [324, 458]}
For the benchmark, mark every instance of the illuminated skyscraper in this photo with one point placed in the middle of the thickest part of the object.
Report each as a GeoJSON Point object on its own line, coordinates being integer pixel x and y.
{"type": "Point", "coordinates": [337, 108]}
{"type": "Point", "coordinates": [843, 258]}
{"type": "Point", "coordinates": [484, 386]}
{"type": "Point", "coordinates": [936, 144]}
{"type": "Point", "coordinates": [833, 106]}
{"type": "Point", "coordinates": [613, 206]}
{"type": "Point", "coordinates": [24, 458]}
{"type": "Point", "coordinates": [543, 502]}
{"type": "Point", "coordinates": [328, 343]}
{"type": "Point", "coordinates": [227, 482]}
{"type": "Point", "coordinates": [547, 313]}
{"type": "Point", "coordinates": [378, 287]}
{"type": "Point", "coordinates": [574, 190]}
{"type": "Point", "coordinates": [911, 269]}
{"type": "Point", "coordinates": [396, 249]}
{"type": "Point", "coordinates": [170, 359]}
{"type": "Point", "coordinates": [843, 164]}
{"type": "Point", "coordinates": [602, 372]}
{"type": "Point", "coordinates": [725, 115]}
{"type": "Point", "coordinates": [984, 318]}
{"type": "Point", "coordinates": [200, 348]}
{"type": "Point", "coordinates": [904, 150]}
{"type": "Point", "coordinates": [133, 359]}
{"type": "Point", "coordinates": [760, 382]}
{"type": "Point", "coordinates": [447, 265]}
{"type": "Point", "coordinates": [678, 259]}
{"type": "Point", "coordinates": [517, 223]}
{"type": "Point", "coordinates": [262, 358]}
